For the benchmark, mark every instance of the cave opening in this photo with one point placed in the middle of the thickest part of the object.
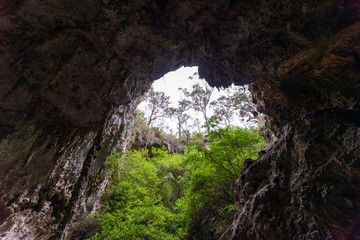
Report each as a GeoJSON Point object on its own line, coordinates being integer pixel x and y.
{"type": "Point", "coordinates": [188, 155]}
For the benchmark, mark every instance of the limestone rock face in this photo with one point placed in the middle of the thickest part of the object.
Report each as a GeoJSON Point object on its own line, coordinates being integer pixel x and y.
{"type": "Point", "coordinates": [149, 139]}
{"type": "Point", "coordinates": [70, 72]}
{"type": "Point", "coordinates": [306, 186]}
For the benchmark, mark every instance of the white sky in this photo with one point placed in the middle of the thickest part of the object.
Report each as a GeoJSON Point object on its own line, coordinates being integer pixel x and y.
{"type": "Point", "coordinates": [170, 83]}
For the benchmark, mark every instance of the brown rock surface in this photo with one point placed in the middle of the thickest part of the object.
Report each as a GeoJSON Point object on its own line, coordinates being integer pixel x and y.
{"type": "Point", "coordinates": [307, 185]}
{"type": "Point", "coordinates": [69, 71]}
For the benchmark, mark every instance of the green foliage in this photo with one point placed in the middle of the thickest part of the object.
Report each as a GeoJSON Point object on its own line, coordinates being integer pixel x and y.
{"type": "Point", "coordinates": [198, 99]}
{"type": "Point", "coordinates": [237, 101]}
{"type": "Point", "coordinates": [212, 123]}
{"type": "Point", "coordinates": [157, 195]}
{"type": "Point", "coordinates": [158, 105]}
{"type": "Point", "coordinates": [208, 203]}
{"type": "Point", "coordinates": [181, 117]}
{"type": "Point", "coordinates": [140, 202]}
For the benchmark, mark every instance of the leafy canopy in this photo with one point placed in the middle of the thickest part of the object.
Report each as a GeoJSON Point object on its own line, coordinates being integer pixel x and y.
{"type": "Point", "coordinates": [157, 195]}
{"type": "Point", "coordinates": [140, 202]}
{"type": "Point", "coordinates": [207, 206]}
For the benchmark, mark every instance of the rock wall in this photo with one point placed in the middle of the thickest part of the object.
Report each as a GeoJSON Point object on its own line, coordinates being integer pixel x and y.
{"type": "Point", "coordinates": [60, 176]}
{"type": "Point", "coordinates": [307, 185]}
{"type": "Point", "coordinates": [71, 70]}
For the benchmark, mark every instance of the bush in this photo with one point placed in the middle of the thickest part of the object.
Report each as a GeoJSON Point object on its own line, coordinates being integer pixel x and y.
{"type": "Point", "coordinates": [140, 202]}
{"type": "Point", "coordinates": [157, 195]}
{"type": "Point", "coordinates": [208, 207]}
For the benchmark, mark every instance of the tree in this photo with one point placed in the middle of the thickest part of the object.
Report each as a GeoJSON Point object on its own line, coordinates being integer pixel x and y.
{"type": "Point", "coordinates": [236, 101]}
{"type": "Point", "coordinates": [158, 105]}
{"type": "Point", "coordinates": [180, 115]}
{"type": "Point", "coordinates": [198, 99]}
{"type": "Point", "coordinates": [140, 203]}
{"type": "Point", "coordinates": [157, 195]}
{"type": "Point", "coordinates": [245, 107]}
{"type": "Point", "coordinates": [208, 203]}
{"type": "Point", "coordinates": [224, 108]}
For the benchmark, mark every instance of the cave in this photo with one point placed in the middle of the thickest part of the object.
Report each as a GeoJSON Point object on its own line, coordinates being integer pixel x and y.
{"type": "Point", "coordinates": [70, 71]}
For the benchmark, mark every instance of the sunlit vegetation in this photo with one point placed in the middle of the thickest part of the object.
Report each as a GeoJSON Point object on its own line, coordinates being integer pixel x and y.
{"type": "Point", "coordinates": [141, 201]}
{"type": "Point", "coordinates": [154, 194]}
{"type": "Point", "coordinates": [172, 196]}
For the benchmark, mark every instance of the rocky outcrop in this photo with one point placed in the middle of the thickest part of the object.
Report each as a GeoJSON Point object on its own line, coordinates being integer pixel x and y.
{"type": "Point", "coordinates": [307, 185]}
{"type": "Point", "coordinates": [60, 178]}
{"type": "Point", "coordinates": [149, 138]}
{"type": "Point", "coordinates": [144, 137]}
{"type": "Point", "coordinates": [70, 71]}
